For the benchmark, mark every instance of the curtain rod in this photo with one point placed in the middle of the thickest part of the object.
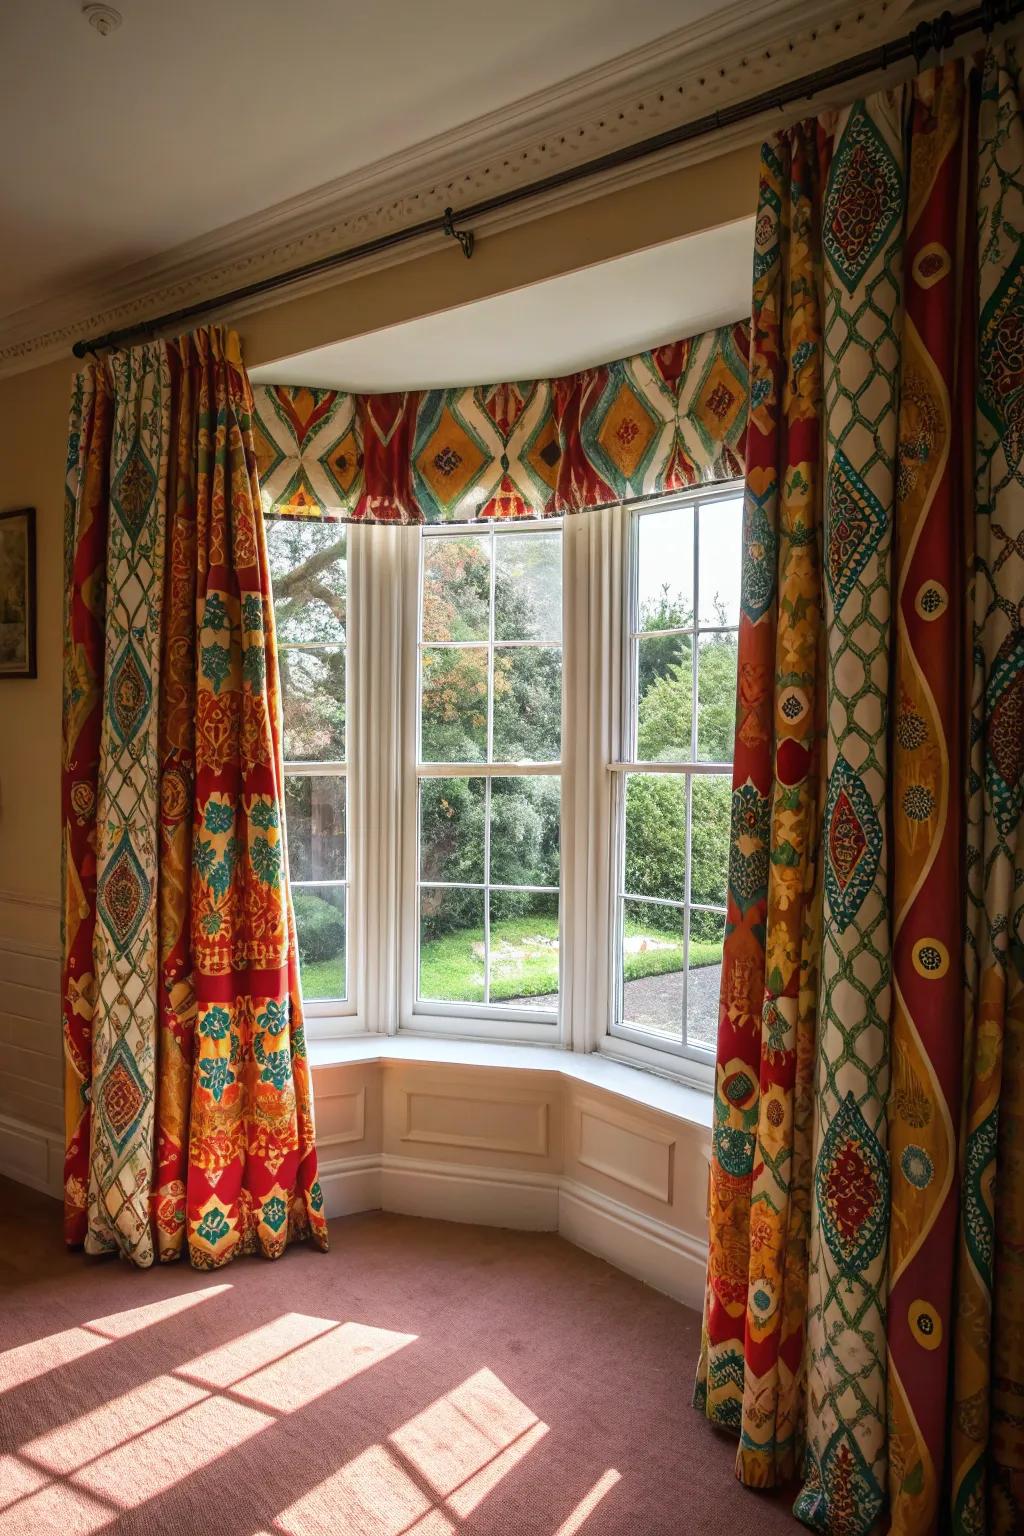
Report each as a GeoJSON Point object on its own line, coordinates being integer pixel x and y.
{"type": "Point", "coordinates": [938, 34]}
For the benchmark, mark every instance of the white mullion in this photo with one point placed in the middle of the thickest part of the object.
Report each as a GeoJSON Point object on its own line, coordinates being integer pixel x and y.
{"type": "Point", "coordinates": [299, 769]}
{"type": "Point", "coordinates": [653, 901]}
{"type": "Point", "coordinates": [476, 885]}
{"type": "Point", "coordinates": [487, 892]}
{"type": "Point", "coordinates": [488, 770]}
{"type": "Point", "coordinates": [661, 634]}
{"type": "Point", "coordinates": [487, 781]}
{"type": "Point", "coordinates": [670, 767]}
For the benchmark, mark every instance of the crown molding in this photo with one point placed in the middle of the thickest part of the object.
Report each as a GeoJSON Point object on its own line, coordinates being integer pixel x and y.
{"type": "Point", "coordinates": [671, 81]}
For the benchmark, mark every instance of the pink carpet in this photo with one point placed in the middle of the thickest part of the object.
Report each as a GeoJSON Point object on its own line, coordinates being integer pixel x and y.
{"type": "Point", "coordinates": [422, 1379]}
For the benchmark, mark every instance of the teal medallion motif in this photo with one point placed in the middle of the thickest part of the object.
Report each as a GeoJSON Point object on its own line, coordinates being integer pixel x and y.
{"type": "Point", "coordinates": [855, 521]}
{"type": "Point", "coordinates": [865, 199]}
{"type": "Point", "coordinates": [853, 844]}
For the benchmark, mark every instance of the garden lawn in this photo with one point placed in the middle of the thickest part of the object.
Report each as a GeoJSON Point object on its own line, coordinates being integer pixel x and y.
{"type": "Point", "coordinates": [323, 978]}
{"type": "Point", "coordinates": [524, 960]}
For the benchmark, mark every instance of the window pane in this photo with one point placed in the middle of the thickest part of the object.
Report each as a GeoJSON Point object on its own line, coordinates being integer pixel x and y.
{"type": "Point", "coordinates": [524, 949]}
{"type": "Point", "coordinates": [452, 830]}
{"type": "Point", "coordinates": [716, 697]}
{"type": "Point", "coordinates": [451, 945]}
{"type": "Point", "coordinates": [309, 576]}
{"type": "Point", "coordinates": [709, 834]}
{"type": "Point", "coordinates": [453, 723]}
{"type": "Point", "coordinates": [456, 588]}
{"type": "Point", "coordinates": [320, 923]}
{"type": "Point", "coordinates": [656, 835]}
{"type": "Point", "coordinates": [313, 698]}
{"type": "Point", "coordinates": [664, 699]}
{"type": "Point", "coordinates": [665, 569]}
{"type": "Point", "coordinates": [704, 979]}
{"type": "Point", "coordinates": [527, 705]}
{"type": "Point", "coordinates": [528, 586]}
{"type": "Point", "coordinates": [652, 965]}
{"type": "Point", "coordinates": [315, 818]}
{"type": "Point", "coordinates": [525, 816]}
{"type": "Point", "coordinates": [721, 561]}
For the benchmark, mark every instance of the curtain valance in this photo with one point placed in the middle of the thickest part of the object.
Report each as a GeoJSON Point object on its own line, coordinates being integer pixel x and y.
{"type": "Point", "coordinates": [657, 422]}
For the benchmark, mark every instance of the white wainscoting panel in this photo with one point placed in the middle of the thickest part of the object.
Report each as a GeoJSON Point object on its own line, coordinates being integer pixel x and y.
{"type": "Point", "coordinates": [31, 1064]}
{"type": "Point", "coordinates": [630, 1151]}
{"type": "Point", "coordinates": [484, 1123]}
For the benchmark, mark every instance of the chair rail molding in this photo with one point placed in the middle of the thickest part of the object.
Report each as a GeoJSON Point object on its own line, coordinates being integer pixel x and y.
{"type": "Point", "coordinates": [744, 47]}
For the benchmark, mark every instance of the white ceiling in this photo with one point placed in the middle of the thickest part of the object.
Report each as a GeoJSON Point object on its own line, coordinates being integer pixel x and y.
{"type": "Point", "coordinates": [603, 312]}
{"type": "Point", "coordinates": [195, 113]}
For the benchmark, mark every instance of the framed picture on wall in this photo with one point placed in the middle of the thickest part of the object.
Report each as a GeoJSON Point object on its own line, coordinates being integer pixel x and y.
{"type": "Point", "coordinates": [18, 593]}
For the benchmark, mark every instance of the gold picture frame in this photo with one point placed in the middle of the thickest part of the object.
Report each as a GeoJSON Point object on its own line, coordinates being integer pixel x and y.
{"type": "Point", "coordinates": [18, 593]}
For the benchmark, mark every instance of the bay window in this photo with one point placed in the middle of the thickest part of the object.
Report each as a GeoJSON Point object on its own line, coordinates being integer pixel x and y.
{"type": "Point", "coordinates": [505, 908]}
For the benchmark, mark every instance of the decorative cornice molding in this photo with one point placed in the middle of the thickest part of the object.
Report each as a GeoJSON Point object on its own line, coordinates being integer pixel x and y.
{"type": "Point", "coordinates": [739, 51]}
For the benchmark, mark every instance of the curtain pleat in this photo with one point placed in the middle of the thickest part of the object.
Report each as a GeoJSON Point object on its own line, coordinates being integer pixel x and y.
{"type": "Point", "coordinates": [750, 1375]}
{"type": "Point", "coordinates": [189, 1112]}
{"type": "Point", "coordinates": [176, 994]}
{"type": "Point", "coordinates": [988, 1417]}
{"type": "Point", "coordinates": [252, 1158]}
{"type": "Point", "coordinates": [125, 939]}
{"type": "Point", "coordinates": [87, 494]}
{"type": "Point", "coordinates": [926, 814]}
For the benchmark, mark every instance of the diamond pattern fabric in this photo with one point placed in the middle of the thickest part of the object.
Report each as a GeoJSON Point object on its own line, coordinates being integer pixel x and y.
{"type": "Point", "coordinates": [125, 939]}
{"type": "Point", "coordinates": [657, 422]}
{"type": "Point", "coordinates": [188, 1107]}
{"type": "Point", "coordinates": [846, 1341]}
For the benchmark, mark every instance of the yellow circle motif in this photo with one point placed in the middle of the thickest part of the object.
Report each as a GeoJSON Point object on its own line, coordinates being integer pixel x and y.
{"type": "Point", "coordinates": [932, 600]}
{"type": "Point", "coordinates": [925, 1324]}
{"type": "Point", "coordinates": [931, 959]}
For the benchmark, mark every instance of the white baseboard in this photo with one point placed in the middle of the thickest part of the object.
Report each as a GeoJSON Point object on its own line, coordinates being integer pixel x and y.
{"type": "Point", "coordinates": [32, 1156]}
{"type": "Point", "coordinates": [350, 1184]}
{"type": "Point", "coordinates": [493, 1197]}
{"type": "Point", "coordinates": [662, 1256]}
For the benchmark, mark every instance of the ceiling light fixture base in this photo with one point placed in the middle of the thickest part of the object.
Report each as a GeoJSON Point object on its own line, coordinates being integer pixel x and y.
{"type": "Point", "coordinates": [103, 17]}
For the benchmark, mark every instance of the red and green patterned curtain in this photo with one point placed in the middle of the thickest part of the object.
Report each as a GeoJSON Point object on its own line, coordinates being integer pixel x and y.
{"type": "Point", "coordinates": [864, 1318]}
{"type": "Point", "coordinates": [187, 1096]}
{"type": "Point", "coordinates": [657, 422]}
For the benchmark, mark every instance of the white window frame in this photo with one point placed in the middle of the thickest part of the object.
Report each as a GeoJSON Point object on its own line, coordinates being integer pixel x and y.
{"type": "Point", "coordinates": [382, 775]}
{"type": "Point", "coordinates": [475, 1021]}
{"type": "Point", "coordinates": [333, 1010]}
{"type": "Point", "coordinates": [628, 1041]}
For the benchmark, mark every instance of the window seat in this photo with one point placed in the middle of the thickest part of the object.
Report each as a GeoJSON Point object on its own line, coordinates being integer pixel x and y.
{"type": "Point", "coordinates": [609, 1155]}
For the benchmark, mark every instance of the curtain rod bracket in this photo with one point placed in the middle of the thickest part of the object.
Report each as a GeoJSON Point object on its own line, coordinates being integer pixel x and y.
{"type": "Point", "coordinates": [995, 13]}
{"type": "Point", "coordinates": [465, 237]}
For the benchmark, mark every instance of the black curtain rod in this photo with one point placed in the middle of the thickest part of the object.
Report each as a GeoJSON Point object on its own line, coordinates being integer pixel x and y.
{"type": "Point", "coordinates": [927, 36]}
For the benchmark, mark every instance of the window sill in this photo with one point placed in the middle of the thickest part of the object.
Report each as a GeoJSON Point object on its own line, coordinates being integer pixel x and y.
{"type": "Point", "coordinates": [683, 1101]}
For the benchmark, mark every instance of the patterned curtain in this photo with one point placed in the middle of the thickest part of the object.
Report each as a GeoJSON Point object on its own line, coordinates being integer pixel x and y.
{"type": "Point", "coordinates": [877, 651]}
{"type": "Point", "coordinates": [988, 1419]}
{"type": "Point", "coordinates": [644, 426]}
{"type": "Point", "coordinates": [188, 1110]}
